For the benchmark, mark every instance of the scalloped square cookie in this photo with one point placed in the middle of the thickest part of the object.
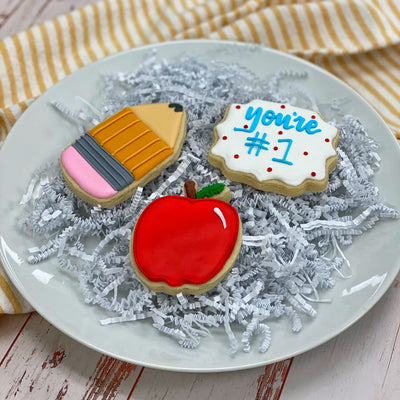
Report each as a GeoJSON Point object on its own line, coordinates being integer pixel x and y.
{"type": "Point", "coordinates": [275, 147]}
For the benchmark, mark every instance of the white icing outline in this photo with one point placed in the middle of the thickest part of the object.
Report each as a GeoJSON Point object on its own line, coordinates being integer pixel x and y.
{"type": "Point", "coordinates": [221, 216]}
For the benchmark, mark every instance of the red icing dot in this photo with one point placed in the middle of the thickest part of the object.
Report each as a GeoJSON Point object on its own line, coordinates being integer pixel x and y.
{"type": "Point", "coordinates": [313, 174]}
{"type": "Point", "coordinates": [269, 169]}
{"type": "Point", "coordinates": [224, 137]}
{"type": "Point", "coordinates": [313, 116]}
{"type": "Point", "coordinates": [238, 107]}
{"type": "Point", "coordinates": [280, 132]}
{"type": "Point", "coordinates": [283, 106]}
{"type": "Point", "coordinates": [245, 126]}
{"type": "Point", "coordinates": [327, 140]}
{"type": "Point", "coordinates": [276, 148]}
{"type": "Point", "coordinates": [306, 153]}
{"type": "Point", "coordinates": [236, 156]}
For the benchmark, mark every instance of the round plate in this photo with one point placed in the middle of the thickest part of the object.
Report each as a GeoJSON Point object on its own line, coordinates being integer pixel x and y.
{"type": "Point", "coordinates": [41, 134]}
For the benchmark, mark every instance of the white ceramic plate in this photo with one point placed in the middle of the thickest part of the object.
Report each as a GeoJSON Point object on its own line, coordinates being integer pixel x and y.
{"type": "Point", "coordinates": [40, 135]}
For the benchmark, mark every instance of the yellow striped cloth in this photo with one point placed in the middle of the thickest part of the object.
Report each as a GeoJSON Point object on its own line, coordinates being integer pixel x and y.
{"type": "Point", "coordinates": [357, 40]}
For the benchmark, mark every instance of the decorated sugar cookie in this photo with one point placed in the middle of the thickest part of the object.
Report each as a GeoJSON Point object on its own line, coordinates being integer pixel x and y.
{"type": "Point", "coordinates": [127, 150]}
{"type": "Point", "coordinates": [275, 147]}
{"type": "Point", "coordinates": [185, 245]}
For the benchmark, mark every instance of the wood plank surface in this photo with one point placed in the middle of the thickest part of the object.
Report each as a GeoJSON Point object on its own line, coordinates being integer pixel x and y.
{"type": "Point", "coordinates": [361, 363]}
{"type": "Point", "coordinates": [43, 363]}
{"type": "Point", "coordinates": [262, 383]}
{"type": "Point", "coordinates": [10, 327]}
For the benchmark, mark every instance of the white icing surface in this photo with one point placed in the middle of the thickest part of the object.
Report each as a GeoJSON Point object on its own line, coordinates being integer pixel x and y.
{"type": "Point", "coordinates": [234, 143]}
{"type": "Point", "coordinates": [42, 276]}
{"type": "Point", "coordinates": [221, 216]}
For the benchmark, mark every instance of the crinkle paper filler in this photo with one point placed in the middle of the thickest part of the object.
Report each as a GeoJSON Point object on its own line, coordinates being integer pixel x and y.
{"type": "Point", "coordinates": [292, 246]}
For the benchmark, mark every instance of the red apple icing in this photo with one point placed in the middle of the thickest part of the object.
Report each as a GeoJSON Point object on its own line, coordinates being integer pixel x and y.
{"type": "Point", "coordinates": [180, 240]}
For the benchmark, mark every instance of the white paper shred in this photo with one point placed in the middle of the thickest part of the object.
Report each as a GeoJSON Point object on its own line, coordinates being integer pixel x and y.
{"type": "Point", "coordinates": [292, 246]}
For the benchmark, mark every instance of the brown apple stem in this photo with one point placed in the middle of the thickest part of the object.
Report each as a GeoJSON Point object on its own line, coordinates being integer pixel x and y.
{"type": "Point", "coordinates": [190, 189]}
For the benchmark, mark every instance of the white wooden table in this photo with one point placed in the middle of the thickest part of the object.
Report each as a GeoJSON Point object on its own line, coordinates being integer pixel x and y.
{"type": "Point", "coordinates": [39, 362]}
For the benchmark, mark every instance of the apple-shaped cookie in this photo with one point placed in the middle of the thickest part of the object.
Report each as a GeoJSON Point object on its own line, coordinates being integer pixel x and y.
{"type": "Point", "coordinates": [184, 245]}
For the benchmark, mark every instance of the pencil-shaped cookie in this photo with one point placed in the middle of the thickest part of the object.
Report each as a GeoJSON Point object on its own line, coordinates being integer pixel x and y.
{"type": "Point", "coordinates": [108, 163]}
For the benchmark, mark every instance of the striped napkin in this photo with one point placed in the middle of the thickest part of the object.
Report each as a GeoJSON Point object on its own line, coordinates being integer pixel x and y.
{"type": "Point", "coordinates": [356, 40]}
